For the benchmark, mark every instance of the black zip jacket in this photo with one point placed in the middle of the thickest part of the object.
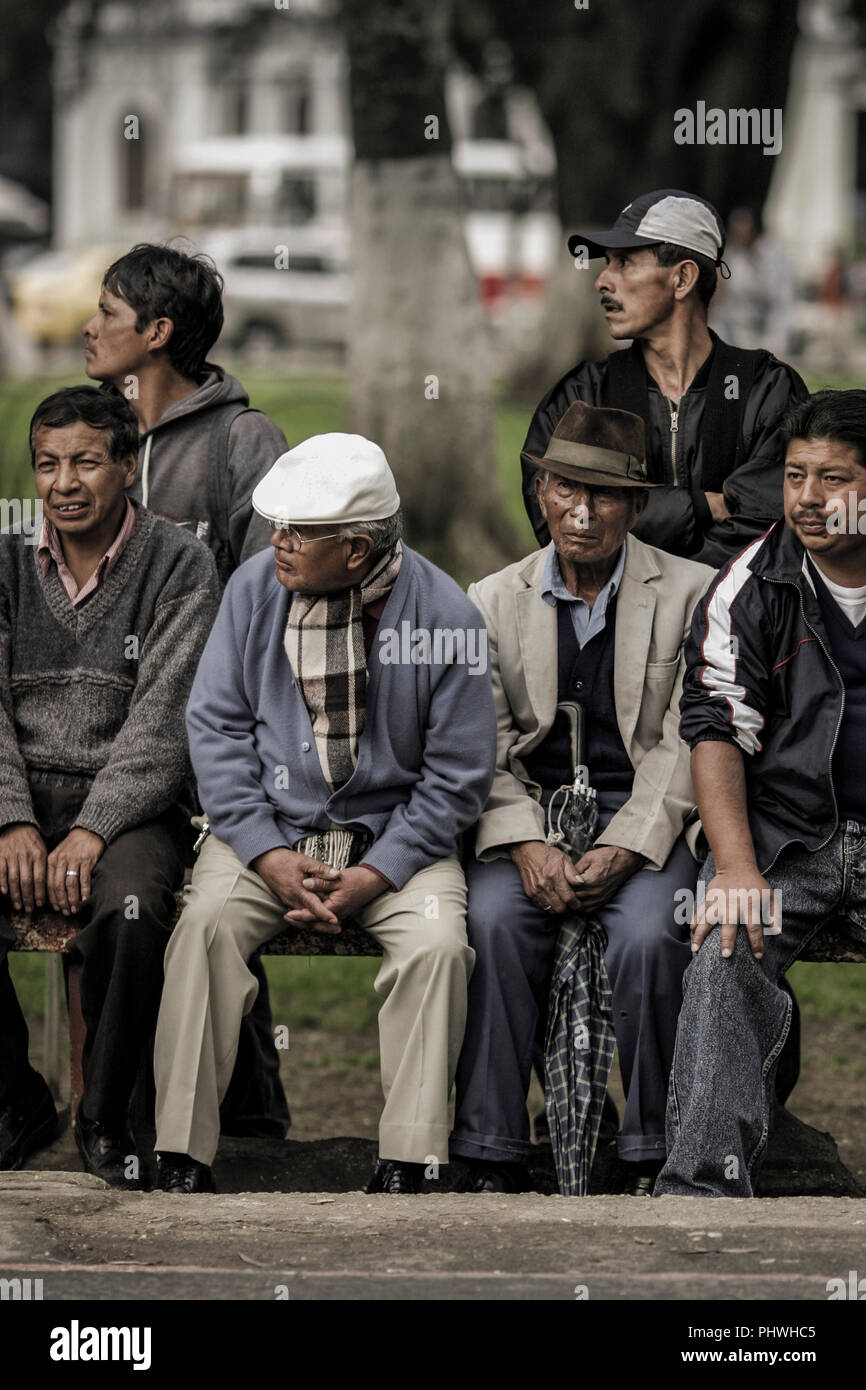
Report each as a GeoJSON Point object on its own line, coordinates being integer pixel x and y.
{"type": "Point", "coordinates": [759, 674]}
{"type": "Point", "coordinates": [678, 517]}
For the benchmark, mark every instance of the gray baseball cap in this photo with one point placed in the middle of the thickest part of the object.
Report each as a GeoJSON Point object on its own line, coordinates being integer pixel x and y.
{"type": "Point", "coordinates": [666, 214]}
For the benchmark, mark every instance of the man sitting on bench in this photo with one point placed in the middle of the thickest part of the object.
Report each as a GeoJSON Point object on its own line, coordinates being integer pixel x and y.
{"type": "Point", "coordinates": [101, 627]}
{"type": "Point", "coordinates": [774, 709]}
{"type": "Point", "coordinates": [343, 734]}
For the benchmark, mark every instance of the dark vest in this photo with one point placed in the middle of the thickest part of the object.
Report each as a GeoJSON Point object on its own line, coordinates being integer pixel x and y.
{"type": "Point", "coordinates": [586, 676]}
{"type": "Point", "coordinates": [848, 650]}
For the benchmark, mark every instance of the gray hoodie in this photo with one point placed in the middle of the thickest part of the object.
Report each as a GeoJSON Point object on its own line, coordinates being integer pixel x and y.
{"type": "Point", "coordinates": [172, 479]}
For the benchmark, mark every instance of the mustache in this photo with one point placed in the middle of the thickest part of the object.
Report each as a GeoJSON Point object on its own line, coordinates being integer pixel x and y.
{"type": "Point", "coordinates": [607, 303]}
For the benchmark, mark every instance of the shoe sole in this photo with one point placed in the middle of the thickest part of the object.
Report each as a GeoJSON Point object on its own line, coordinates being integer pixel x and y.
{"type": "Point", "coordinates": [209, 1191]}
{"type": "Point", "coordinates": [181, 1192]}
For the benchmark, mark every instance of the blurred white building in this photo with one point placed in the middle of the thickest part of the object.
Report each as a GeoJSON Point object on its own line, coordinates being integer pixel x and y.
{"type": "Point", "coordinates": [202, 114]}
{"type": "Point", "coordinates": [817, 201]}
{"type": "Point", "coordinates": [141, 91]}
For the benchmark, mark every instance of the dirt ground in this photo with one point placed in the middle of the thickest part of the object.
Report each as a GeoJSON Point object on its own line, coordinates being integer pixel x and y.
{"type": "Point", "coordinates": [332, 1085]}
{"type": "Point", "coordinates": [292, 1221]}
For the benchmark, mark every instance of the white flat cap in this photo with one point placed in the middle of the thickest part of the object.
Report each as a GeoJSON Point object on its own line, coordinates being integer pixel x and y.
{"type": "Point", "coordinates": [330, 478]}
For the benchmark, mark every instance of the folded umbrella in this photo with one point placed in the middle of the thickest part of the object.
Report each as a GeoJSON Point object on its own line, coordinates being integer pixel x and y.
{"type": "Point", "coordinates": [579, 1040]}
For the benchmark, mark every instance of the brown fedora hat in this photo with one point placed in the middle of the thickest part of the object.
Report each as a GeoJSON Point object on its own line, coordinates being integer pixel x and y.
{"type": "Point", "coordinates": [595, 445]}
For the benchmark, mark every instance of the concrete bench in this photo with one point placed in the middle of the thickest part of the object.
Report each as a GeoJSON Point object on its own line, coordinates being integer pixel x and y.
{"type": "Point", "coordinates": [50, 932]}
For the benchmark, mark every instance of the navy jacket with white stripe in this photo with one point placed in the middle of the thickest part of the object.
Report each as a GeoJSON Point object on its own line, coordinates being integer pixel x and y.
{"type": "Point", "coordinates": [760, 675]}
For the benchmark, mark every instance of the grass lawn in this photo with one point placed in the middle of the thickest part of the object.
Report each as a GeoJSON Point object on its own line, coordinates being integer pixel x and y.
{"type": "Point", "coordinates": [337, 993]}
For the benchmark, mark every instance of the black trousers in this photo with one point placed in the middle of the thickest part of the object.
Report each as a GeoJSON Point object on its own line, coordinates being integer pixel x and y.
{"type": "Point", "coordinates": [120, 943]}
{"type": "Point", "coordinates": [122, 938]}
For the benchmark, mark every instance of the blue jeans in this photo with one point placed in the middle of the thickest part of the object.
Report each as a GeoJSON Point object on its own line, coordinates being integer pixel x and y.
{"type": "Point", "coordinates": [735, 1019]}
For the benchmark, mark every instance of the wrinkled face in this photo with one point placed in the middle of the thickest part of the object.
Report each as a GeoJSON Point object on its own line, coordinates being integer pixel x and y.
{"type": "Point", "coordinates": [825, 485]}
{"type": "Point", "coordinates": [113, 347]}
{"type": "Point", "coordinates": [588, 523]}
{"type": "Point", "coordinates": [324, 564]}
{"type": "Point", "coordinates": [80, 486]}
{"type": "Point", "coordinates": [636, 292]}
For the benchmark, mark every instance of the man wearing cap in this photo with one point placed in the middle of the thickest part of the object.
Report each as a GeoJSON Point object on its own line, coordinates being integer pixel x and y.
{"type": "Point", "coordinates": [337, 777]}
{"type": "Point", "coordinates": [599, 618]}
{"type": "Point", "coordinates": [712, 412]}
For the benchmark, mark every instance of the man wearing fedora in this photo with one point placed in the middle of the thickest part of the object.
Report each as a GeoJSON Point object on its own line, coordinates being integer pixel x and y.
{"type": "Point", "coordinates": [712, 412]}
{"type": "Point", "coordinates": [599, 618]}
{"type": "Point", "coordinates": [338, 766]}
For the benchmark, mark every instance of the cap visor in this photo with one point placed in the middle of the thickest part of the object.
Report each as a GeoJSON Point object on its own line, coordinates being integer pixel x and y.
{"type": "Point", "coordinates": [610, 241]}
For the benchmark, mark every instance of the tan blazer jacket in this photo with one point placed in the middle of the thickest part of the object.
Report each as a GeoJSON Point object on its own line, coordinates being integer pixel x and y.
{"type": "Point", "coordinates": [653, 615]}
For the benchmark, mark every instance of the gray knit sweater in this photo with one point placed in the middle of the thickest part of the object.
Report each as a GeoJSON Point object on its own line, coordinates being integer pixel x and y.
{"type": "Point", "coordinates": [100, 691]}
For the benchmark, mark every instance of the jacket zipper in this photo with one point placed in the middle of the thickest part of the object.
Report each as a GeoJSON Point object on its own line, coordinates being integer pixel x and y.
{"type": "Point", "coordinates": [818, 639]}
{"type": "Point", "coordinates": [675, 419]}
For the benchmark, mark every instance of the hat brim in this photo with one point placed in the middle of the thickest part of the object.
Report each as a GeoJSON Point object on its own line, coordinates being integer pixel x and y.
{"type": "Point", "coordinates": [587, 475]}
{"type": "Point", "coordinates": [610, 241]}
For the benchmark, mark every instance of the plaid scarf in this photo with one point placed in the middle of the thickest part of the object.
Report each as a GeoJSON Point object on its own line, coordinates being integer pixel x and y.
{"type": "Point", "coordinates": [324, 641]}
{"type": "Point", "coordinates": [578, 1050]}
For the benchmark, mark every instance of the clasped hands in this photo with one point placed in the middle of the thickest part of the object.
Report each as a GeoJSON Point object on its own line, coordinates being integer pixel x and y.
{"type": "Point", "coordinates": [28, 871]}
{"type": "Point", "coordinates": [315, 893]}
{"type": "Point", "coordinates": [553, 882]}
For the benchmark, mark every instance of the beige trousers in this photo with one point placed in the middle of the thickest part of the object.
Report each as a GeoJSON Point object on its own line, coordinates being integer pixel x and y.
{"type": "Point", "coordinates": [229, 912]}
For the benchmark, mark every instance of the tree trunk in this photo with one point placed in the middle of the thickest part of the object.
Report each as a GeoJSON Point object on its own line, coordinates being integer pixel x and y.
{"type": "Point", "coordinates": [570, 328]}
{"type": "Point", "coordinates": [419, 362]}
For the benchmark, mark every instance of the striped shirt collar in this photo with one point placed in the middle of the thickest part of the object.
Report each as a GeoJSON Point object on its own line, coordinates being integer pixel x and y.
{"type": "Point", "coordinates": [50, 550]}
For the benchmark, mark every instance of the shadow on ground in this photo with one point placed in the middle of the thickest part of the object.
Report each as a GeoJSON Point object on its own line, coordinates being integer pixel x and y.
{"type": "Point", "coordinates": [801, 1162]}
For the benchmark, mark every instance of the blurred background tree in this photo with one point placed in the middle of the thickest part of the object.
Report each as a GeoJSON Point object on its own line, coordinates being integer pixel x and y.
{"type": "Point", "coordinates": [419, 374]}
{"type": "Point", "coordinates": [26, 92]}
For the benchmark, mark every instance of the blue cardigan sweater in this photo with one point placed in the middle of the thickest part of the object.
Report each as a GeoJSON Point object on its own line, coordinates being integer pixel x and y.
{"type": "Point", "coordinates": [427, 755]}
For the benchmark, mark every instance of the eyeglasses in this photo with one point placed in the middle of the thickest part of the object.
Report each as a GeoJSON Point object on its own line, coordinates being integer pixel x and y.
{"type": "Point", "coordinates": [294, 540]}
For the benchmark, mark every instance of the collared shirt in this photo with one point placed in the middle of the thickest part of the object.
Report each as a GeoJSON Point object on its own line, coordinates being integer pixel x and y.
{"type": "Point", "coordinates": [587, 622]}
{"type": "Point", "coordinates": [50, 548]}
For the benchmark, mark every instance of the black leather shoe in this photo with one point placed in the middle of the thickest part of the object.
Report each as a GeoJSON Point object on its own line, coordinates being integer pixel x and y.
{"type": "Point", "coordinates": [497, 1177]}
{"type": "Point", "coordinates": [24, 1129]}
{"type": "Point", "coordinates": [106, 1154]}
{"type": "Point", "coordinates": [400, 1179]}
{"type": "Point", "coordinates": [181, 1175]}
{"type": "Point", "coordinates": [644, 1178]}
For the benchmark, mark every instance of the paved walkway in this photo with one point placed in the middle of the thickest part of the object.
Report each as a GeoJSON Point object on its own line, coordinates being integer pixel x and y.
{"type": "Point", "coordinates": [85, 1241]}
